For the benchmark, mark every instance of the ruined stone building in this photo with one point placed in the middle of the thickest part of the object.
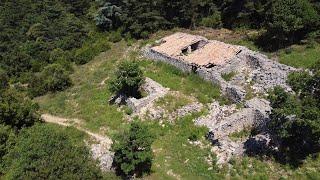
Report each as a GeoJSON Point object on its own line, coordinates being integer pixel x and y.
{"type": "Point", "coordinates": [212, 59]}
{"type": "Point", "coordinates": [253, 74]}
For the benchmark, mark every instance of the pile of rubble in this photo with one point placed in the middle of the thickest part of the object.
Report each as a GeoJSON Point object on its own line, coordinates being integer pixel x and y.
{"type": "Point", "coordinates": [225, 120]}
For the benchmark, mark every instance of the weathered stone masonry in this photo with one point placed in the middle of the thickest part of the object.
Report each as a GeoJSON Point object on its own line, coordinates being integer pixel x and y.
{"type": "Point", "coordinates": [250, 67]}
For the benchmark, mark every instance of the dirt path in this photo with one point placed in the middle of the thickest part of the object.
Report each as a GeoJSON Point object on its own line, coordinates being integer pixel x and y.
{"type": "Point", "coordinates": [77, 124]}
{"type": "Point", "coordinates": [100, 150]}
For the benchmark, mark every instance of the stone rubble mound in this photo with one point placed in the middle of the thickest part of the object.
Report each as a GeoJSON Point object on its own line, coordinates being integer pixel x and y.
{"type": "Point", "coordinates": [225, 120]}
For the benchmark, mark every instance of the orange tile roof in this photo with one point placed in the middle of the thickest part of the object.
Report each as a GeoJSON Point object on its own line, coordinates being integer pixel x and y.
{"type": "Point", "coordinates": [214, 52]}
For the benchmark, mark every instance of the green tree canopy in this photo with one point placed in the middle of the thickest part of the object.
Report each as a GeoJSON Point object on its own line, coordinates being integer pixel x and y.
{"type": "Point", "coordinates": [4, 79]}
{"type": "Point", "coordinates": [289, 17]}
{"type": "Point", "coordinates": [17, 110]}
{"type": "Point", "coordinates": [133, 153]}
{"type": "Point", "coordinates": [295, 119]}
{"type": "Point", "coordinates": [53, 78]}
{"type": "Point", "coordinates": [128, 79]}
{"type": "Point", "coordinates": [48, 152]}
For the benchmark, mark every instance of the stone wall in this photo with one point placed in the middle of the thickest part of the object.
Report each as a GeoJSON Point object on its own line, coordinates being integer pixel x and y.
{"type": "Point", "coordinates": [154, 91]}
{"type": "Point", "coordinates": [151, 54]}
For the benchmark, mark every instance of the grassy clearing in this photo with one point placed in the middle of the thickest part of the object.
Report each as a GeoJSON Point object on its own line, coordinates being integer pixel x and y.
{"type": "Point", "coordinates": [300, 56]}
{"type": "Point", "coordinates": [188, 84]}
{"type": "Point", "coordinates": [176, 158]}
{"type": "Point", "coordinates": [88, 98]}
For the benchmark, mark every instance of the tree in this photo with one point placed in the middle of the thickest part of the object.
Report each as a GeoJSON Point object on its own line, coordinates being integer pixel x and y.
{"type": "Point", "coordinates": [108, 16]}
{"type": "Point", "coordinates": [16, 110]}
{"type": "Point", "coordinates": [47, 151]}
{"type": "Point", "coordinates": [295, 119]}
{"type": "Point", "coordinates": [245, 13]}
{"type": "Point", "coordinates": [133, 152]}
{"type": "Point", "coordinates": [291, 19]}
{"type": "Point", "coordinates": [128, 79]}
{"type": "Point", "coordinates": [53, 78]}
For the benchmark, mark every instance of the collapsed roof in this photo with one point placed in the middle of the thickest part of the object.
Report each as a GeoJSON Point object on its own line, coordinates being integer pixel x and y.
{"type": "Point", "coordinates": [196, 49]}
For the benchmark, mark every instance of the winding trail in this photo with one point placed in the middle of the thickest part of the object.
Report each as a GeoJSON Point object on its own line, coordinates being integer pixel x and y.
{"type": "Point", "coordinates": [100, 150]}
{"type": "Point", "coordinates": [75, 123]}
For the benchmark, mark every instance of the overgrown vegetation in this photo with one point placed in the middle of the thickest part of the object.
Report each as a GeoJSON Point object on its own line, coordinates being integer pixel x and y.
{"type": "Point", "coordinates": [245, 133]}
{"type": "Point", "coordinates": [176, 80]}
{"type": "Point", "coordinates": [296, 118]}
{"type": "Point", "coordinates": [173, 102]}
{"type": "Point", "coordinates": [17, 110]}
{"type": "Point", "coordinates": [49, 152]}
{"type": "Point", "coordinates": [285, 21]}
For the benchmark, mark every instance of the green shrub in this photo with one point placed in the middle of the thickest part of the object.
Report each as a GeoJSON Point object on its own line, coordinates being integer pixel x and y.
{"type": "Point", "coordinates": [228, 76]}
{"type": "Point", "coordinates": [91, 48]}
{"type": "Point", "coordinates": [133, 152]}
{"type": "Point", "coordinates": [128, 110]}
{"type": "Point", "coordinates": [6, 138]}
{"type": "Point", "coordinates": [296, 118]}
{"type": "Point", "coordinates": [49, 152]}
{"type": "Point", "coordinates": [56, 78]}
{"type": "Point", "coordinates": [289, 17]}
{"type": "Point", "coordinates": [128, 79]}
{"type": "Point", "coordinates": [16, 110]}
{"type": "Point", "coordinates": [53, 78]}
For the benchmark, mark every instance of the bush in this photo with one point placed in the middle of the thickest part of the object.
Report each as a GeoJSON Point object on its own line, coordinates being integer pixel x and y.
{"type": "Point", "coordinates": [56, 78]}
{"type": "Point", "coordinates": [93, 47]}
{"type": "Point", "coordinates": [49, 152]}
{"type": "Point", "coordinates": [16, 110]}
{"type": "Point", "coordinates": [53, 78]}
{"type": "Point", "coordinates": [133, 152]}
{"type": "Point", "coordinates": [128, 79]}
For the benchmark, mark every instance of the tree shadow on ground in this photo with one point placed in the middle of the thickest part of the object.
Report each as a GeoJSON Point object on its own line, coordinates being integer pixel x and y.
{"type": "Point", "coordinates": [261, 149]}
{"type": "Point", "coordinates": [273, 41]}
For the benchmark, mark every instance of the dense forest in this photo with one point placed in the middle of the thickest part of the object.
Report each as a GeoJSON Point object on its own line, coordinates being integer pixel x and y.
{"type": "Point", "coordinates": [41, 42]}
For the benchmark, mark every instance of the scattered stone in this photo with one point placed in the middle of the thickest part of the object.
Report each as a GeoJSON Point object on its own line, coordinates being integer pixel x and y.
{"type": "Point", "coordinates": [103, 155]}
{"type": "Point", "coordinates": [189, 109]}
